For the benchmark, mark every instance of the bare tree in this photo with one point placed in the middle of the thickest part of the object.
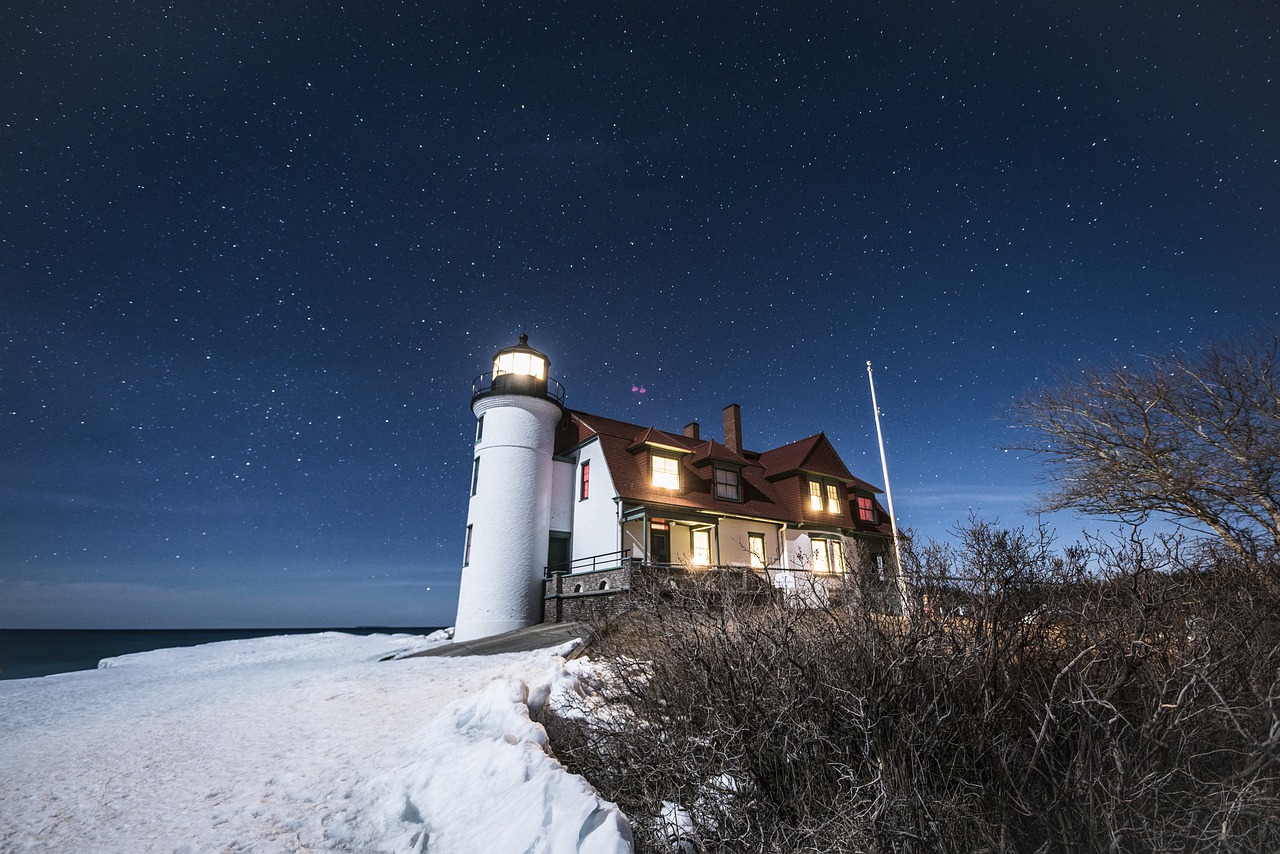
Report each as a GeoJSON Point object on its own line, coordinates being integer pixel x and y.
{"type": "Point", "coordinates": [1193, 436]}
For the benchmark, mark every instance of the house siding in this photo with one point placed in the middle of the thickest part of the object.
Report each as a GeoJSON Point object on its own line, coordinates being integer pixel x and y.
{"type": "Point", "coordinates": [595, 529]}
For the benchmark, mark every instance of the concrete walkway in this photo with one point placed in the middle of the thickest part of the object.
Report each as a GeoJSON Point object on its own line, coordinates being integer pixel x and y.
{"type": "Point", "coordinates": [521, 640]}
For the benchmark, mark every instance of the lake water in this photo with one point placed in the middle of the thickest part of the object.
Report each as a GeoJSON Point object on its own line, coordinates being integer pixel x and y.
{"type": "Point", "coordinates": [26, 653]}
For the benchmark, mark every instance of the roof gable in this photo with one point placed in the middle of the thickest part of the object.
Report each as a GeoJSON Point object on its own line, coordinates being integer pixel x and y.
{"type": "Point", "coordinates": [712, 451]}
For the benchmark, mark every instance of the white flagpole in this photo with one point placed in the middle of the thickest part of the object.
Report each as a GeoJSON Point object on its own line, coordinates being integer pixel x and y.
{"type": "Point", "coordinates": [888, 492]}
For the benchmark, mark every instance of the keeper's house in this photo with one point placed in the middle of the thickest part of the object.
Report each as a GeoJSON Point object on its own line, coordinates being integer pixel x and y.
{"type": "Point", "coordinates": [566, 505]}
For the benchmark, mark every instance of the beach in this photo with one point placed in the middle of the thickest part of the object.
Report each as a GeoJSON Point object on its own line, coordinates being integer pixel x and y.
{"type": "Point", "coordinates": [300, 743]}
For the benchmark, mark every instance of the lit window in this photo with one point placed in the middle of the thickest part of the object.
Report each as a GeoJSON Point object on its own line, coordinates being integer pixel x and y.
{"type": "Point", "coordinates": [466, 554]}
{"type": "Point", "coordinates": [866, 509]}
{"type": "Point", "coordinates": [833, 498]}
{"type": "Point", "coordinates": [815, 495]}
{"type": "Point", "coordinates": [755, 545]}
{"type": "Point", "coordinates": [702, 548]}
{"type": "Point", "coordinates": [584, 489]}
{"type": "Point", "coordinates": [821, 557]}
{"type": "Point", "coordinates": [727, 484]}
{"type": "Point", "coordinates": [479, 429]}
{"type": "Point", "coordinates": [475, 475]}
{"type": "Point", "coordinates": [666, 472]}
{"type": "Point", "coordinates": [520, 363]}
{"type": "Point", "coordinates": [837, 556]}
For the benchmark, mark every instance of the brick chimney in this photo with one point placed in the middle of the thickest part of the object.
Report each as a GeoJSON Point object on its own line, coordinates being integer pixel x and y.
{"type": "Point", "coordinates": [692, 430]}
{"type": "Point", "coordinates": [733, 428]}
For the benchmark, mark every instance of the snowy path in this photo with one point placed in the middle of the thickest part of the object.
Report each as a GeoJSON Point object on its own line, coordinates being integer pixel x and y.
{"type": "Point", "coordinates": [268, 745]}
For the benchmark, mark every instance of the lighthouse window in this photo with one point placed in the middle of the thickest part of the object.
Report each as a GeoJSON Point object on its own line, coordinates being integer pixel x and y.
{"type": "Point", "coordinates": [584, 490]}
{"type": "Point", "coordinates": [466, 554]}
{"type": "Point", "coordinates": [475, 474]}
{"type": "Point", "coordinates": [479, 429]}
{"type": "Point", "coordinates": [523, 364]}
{"type": "Point", "coordinates": [666, 472]}
{"type": "Point", "coordinates": [727, 484]}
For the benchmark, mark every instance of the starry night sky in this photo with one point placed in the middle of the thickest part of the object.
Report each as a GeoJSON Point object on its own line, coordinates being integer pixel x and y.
{"type": "Point", "coordinates": [252, 254]}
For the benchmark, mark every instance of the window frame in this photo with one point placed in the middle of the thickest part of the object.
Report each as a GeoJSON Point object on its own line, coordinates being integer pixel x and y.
{"type": "Point", "coordinates": [479, 428]}
{"type": "Point", "coordinates": [819, 546]}
{"type": "Point", "coordinates": [475, 475]}
{"type": "Point", "coordinates": [584, 480]}
{"type": "Point", "coordinates": [866, 509]}
{"type": "Point", "coordinates": [756, 560]}
{"type": "Point", "coordinates": [655, 475]}
{"type": "Point", "coordinates": [736, 483]}
{"type": "Point", "coordinates": [815, 494]}
{"type": "Point", "coordinates": [701, 556]}
{"type": "Point", "coordinates": [831, 550]}
{"type": "Point", "coordinates": [833, 497]}
{"type": "Point", "coordinates": [466, 551]}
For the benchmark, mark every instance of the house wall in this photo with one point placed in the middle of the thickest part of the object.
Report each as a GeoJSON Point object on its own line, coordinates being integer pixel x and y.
{"type": "Point", "coordinates": [633, 538]}
{"type": "Point", "coordinates": [595, 519]}
{"type": "Point", "coordinates": [563, 474]}
{"type": "Point", "coordinates": [681, 544]}
{"type": "Point", "coordinates": [735, 548]}
{"type": "Point", "coordinates": [800, 548]}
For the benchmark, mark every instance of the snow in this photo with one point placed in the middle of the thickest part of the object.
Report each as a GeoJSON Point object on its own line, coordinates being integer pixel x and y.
{"type": "Point", "coordinates": [298, 743]}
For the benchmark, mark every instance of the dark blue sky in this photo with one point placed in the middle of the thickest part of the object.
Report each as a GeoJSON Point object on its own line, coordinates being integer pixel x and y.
{"type": "Point", "coordinates": [252, 254]}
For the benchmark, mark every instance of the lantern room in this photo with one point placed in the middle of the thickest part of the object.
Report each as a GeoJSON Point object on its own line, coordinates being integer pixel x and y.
{"type": "Point", "coordinates": [519, 370]}
{"type": "Point", "coordinates": [520, 361]}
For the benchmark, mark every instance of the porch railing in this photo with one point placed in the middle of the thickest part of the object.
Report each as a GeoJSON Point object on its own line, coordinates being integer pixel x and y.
{"type": "Point", "coordinates": [607, 560]}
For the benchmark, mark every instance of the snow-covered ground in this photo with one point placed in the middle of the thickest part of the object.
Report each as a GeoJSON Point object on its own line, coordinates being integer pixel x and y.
{"type": "Point", "coordinates": [297, 743]}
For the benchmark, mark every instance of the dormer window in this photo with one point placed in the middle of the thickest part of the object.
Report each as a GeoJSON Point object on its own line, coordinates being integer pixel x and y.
{"type": "Point", "coordinates": [824, 495]}
{"type": "Point", "coordinates": [728, 485]}
{"type": "Point", "coordinates": [666, 472]}
{"type": "Point", "coordinates": [866, 509]}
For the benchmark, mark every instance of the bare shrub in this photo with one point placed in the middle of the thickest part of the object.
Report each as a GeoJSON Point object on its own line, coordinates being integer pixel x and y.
{"type": "Point", "coordinates": [1122, 695]}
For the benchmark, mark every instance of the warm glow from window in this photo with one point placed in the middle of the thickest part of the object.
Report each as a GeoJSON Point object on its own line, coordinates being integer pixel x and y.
{"type": "Point", "coordinates": [702, 548]}
{"type": "Point", "coordinates": [519, 362]}
{"type": "Point", "coordinates": [821, 560]}
{"type": "Point", "coordinates": [755, 544]}
{"type": "Point", "coordinates": [815, 495]}
{"type": "Point", "coordinates": [833, 498]}
{"type": "Point", "coordinates": [837, 556]}
{"type": "Point", "coordinates": [585, 490]}
{"type": "Point", "coordinates": [666, 472]}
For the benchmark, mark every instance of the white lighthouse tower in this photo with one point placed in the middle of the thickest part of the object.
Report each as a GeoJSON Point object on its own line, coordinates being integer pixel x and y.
{"type": "Point", "coordinates": [517, 408]}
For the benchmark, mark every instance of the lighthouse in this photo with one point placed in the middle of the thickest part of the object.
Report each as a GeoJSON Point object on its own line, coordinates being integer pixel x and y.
{"type": "Point", "coordinates": [517, 407]}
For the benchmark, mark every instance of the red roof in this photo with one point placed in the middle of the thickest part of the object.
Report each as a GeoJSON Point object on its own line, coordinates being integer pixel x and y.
{"type": "Point", "coordinates": [773, 484]}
